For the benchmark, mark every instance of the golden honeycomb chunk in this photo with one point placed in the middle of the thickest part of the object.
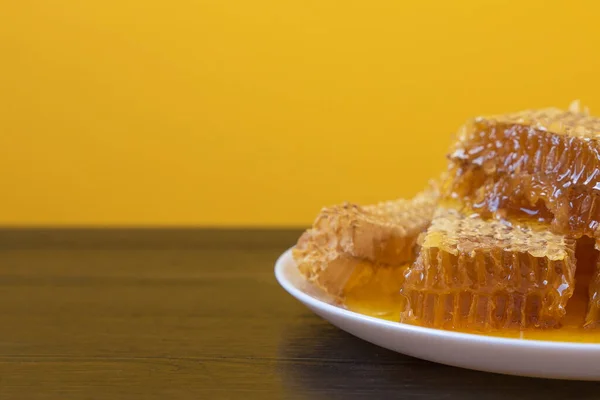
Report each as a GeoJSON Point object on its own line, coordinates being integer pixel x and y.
{"type": "Point", "coordinates": [385, 232]}
{"type": "Point", "coordinates": [478, 274]}
{"type": "Point", "coordinates": [361, 285]}
{"type": "Point", "coordinates": [542, 164]}
{"type": "Point", "coordinates": [351, 241]}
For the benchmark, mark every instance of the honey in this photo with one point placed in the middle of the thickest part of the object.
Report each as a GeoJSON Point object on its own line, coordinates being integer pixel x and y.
{"type": "Point", "coordinates": [366, 299]}
{"type": "Point", "coordinates": [374, 291]}
{"type": "Point", "coordinates": [588, 262]}
{"type": "Point", "coordinates": [570, 331]}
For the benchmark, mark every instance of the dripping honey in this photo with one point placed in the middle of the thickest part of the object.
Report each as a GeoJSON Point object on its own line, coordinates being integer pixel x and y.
{"type": "Point", "coordinates": [374, 291]}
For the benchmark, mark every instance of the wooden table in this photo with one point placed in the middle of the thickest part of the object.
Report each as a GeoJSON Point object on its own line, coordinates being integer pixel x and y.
{"type": "Point", "coordinates": [195, 314]}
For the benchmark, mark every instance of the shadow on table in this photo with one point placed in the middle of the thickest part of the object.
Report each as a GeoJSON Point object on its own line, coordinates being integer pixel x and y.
{"type": "Point", "coordinates": [318, 360]}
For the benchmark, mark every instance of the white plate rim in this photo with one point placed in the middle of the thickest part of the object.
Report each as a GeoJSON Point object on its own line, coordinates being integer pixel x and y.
{"type": "Point", "coordinates": [438, 333]}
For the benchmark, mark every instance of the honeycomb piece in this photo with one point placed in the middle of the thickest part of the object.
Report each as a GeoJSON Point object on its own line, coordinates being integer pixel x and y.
{"type": "Point", "coordinates": [476, 274]}
{"type": "Point", "coordinates": [543, 164]}
{"type": "Point", "coordinates": [350, 280]}
{"type": "Point", "coordinates": [377, 236]}
{"type": "Point", "coordinates": [385, 232]}
{"type": "Point", "coordinates": [322, 264]}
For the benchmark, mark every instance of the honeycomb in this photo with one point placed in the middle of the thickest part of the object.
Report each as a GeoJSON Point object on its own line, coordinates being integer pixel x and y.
{"type": "Point", "coordinates": [483, 274]}
{"type": "Point", "coordinates": [386, 232]}
{"type": "Point", "coordinates": [361, 285]}
{"type": "Point", "coordinates": [542, 165]}
{"type": "Point", "coordinates": [362, 245]}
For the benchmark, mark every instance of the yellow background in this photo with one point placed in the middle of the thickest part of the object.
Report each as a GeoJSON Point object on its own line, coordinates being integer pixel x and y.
{"type": "Point", "coordinates": [147, 112]}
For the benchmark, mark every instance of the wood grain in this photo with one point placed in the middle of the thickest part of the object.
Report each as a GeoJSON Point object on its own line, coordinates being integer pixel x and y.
{"type": "Point", "coordinates": [194, 314]}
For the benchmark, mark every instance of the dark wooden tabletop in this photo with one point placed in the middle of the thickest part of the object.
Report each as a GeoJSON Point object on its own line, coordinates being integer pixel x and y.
{"type": "Point", "coordinates": [195, 314]}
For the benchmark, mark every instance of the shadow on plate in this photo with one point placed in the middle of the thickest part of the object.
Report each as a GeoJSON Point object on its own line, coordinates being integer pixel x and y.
{"type": "Point", "coordinates": [318, 361]}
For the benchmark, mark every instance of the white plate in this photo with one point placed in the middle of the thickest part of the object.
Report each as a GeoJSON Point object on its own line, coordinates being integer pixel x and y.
{"type": "Point", "coordinates": [544, 359]}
